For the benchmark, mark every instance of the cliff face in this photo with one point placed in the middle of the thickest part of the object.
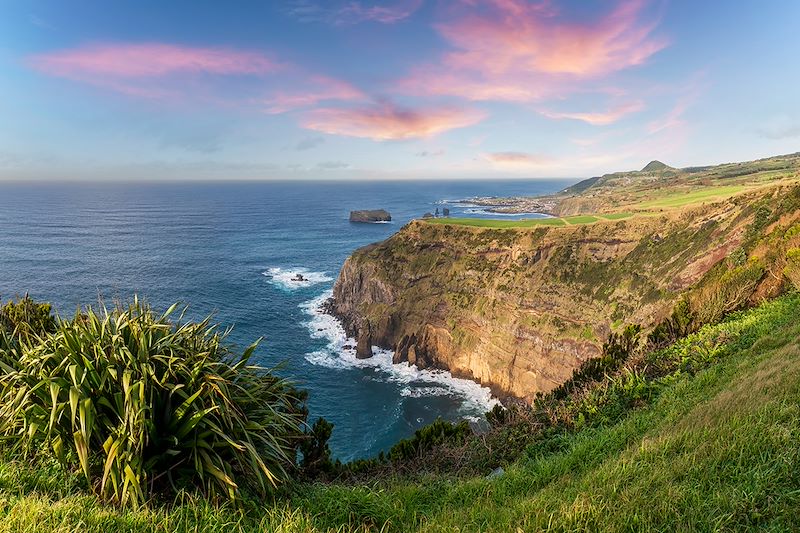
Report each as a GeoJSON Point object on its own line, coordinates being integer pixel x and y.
{"type": "Point", "coordinates": [519, 309]}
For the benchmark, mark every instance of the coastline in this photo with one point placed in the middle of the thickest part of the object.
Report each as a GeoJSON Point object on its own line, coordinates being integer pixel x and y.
{"type": "Point", "coordinates": [513, 205]}
{"type": "Point", "coordinates": [325, 323]}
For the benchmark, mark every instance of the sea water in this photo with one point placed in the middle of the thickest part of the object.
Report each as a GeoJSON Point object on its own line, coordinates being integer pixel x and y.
{"type": "Point", "coordinates": [234, 250]}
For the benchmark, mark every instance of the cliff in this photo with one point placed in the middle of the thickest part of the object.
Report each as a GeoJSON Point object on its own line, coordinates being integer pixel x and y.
{"type": "Point", "coordinates": [519, 309]}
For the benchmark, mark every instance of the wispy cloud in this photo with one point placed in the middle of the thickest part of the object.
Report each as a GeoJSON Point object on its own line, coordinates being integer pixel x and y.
{"type": "Point", "coordinates": [148, 60]}
{"type": "Point", "coordinates": [333, 165]}
{"type": "Point", "coordinates": [40, 22]}
{"type": "Point", "coordinates": [308, 92]}
{"type": "Point", "coordinates": [309, 143]}
{"type": "Point", "coordinates": [780, 127]}
{"type": "Point", "coordinates": [386, 121]}
{"type": "Point", "coordinates": [163, 71]}
{"type": "Point", "coordinates": [353, 12]}
{"type": "Point", "coordinates": [514, 50]}
{"type": "Point", "coordinates": [602, 118]}
{"type": "Point", "coordinates": [430, 153]}
{"type": "Point", "coordinates": [148, 70]}
{"type": "Point", "coordinates": [674, 118]}
{"type": "Point", "coordinates": [517, 159]}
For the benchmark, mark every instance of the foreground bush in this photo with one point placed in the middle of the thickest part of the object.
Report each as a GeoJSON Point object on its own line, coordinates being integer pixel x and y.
{"type": "Point", "coordinates": [24, 319]}
{"type": "Point", "coordinates": [142, 404]}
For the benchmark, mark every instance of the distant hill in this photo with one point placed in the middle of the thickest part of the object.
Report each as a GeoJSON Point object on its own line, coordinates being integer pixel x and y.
{"type": "Point", "coordinates": [580, 186]}
{"type": "Point", "coordinates": [655, 166]}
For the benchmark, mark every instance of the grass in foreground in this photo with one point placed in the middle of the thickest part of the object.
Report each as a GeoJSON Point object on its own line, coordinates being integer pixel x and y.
{"type": "Point", "coordinates": [718, 449]}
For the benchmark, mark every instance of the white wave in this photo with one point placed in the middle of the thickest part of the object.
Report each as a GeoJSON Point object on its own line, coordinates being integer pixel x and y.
{"type": "Point", "coordinates": [340, 353]}
{"type": "Point", "coordinates": [285, 278]}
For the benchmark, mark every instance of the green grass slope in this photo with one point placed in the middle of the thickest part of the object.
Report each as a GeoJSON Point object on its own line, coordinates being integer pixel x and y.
{"type": "Point", "coordinates": [712, 446]}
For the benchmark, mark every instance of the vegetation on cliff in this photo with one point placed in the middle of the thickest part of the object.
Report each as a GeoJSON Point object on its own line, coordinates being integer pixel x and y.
{"type": "Point", "coordinates": [520, 308]}
{"type": "Point", "coordinates": [709, 443]}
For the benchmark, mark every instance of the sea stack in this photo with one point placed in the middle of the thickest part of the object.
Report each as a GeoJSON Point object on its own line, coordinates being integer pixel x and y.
{"type": "Point", "coordinates": [364, 346]}
{"type": "Point", "coordinates": [370, 215]}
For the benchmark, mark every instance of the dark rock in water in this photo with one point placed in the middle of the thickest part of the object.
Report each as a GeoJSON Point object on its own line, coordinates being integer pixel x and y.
{"type": "Point", "coordinates": [370, 215]}
{"type": "Point", "coordinates": [364, 347]}
{"type": "Point", "coordinates": [428, 215]}
{"type": "Point", "coordinates": [347, 347]}
{"type": "Point", "coordinates": [445, 212]}
{"type": "Point", "coordinates": [299, 277]}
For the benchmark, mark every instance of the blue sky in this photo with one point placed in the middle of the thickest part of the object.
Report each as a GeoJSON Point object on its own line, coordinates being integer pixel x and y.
{"type": "Point", "coordinates": [404, 89]}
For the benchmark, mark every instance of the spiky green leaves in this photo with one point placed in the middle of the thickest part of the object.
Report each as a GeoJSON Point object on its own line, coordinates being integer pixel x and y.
{"type": "Point", "coordinates": [142, 404]}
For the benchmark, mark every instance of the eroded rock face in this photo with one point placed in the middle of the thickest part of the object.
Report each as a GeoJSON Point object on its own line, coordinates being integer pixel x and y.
{"type": "Point", "coordinates": [518, 310]}
{"type": "Point", "coordinates": [364, 346]}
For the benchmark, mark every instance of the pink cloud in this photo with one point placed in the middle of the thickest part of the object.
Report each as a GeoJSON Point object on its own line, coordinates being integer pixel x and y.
{"type": "Point", "coordinates": [318, 89]}
{"type": "Point", "coordinates": [517, 159]}
{"type": "Point", "coordinates": [387, 122]}
{"type": "Point", "coordinates": [598, 118]}
{"type": "Point", "coordinates": [156, 71]}
{"type": "Point", "coordinates": [516, 51]}
{"type": "Point", "coordinates": [160, 71]}
{"type": "Point", "coordinates": [687, 96]}
{"type": "Point", "coordinates": [148, 60]}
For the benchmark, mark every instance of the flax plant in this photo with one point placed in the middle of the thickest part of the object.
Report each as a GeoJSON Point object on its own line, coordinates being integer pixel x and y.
{"type": "Point", "coordinates": [143, 404]}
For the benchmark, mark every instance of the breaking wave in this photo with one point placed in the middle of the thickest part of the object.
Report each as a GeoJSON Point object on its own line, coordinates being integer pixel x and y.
{"type": "Point", "coordinates": [340, 353]}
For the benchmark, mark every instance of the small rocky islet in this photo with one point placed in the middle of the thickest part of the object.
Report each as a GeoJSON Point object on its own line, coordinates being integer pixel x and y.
{"type": "Point", "coordinates": [370, 216]}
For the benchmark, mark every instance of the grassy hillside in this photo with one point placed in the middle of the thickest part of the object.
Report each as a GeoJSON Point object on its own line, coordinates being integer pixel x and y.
{"type": "Point", "coordinates": [656, 187]}
{"type": "Point", "coordinates": [712, 445]}
{"type": "Point", "coordinates": [527, 222]}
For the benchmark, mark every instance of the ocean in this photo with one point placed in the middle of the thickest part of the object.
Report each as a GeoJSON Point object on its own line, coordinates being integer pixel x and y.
{"type": "Point", "coordinates": [231, 250]}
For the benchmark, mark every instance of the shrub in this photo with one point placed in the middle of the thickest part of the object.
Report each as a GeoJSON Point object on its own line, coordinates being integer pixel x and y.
{"type": "Point", "coordinates": [26, 318]}
{"type": "Point", "coordinates": [679, 324]}
{"type": "Point", "coordinates": [792, 269]}
{"type": "Point", "coordinates": [437, 433]}
{"type": "Point", "coordinates": [616, 350]}
{"type": "Point", "coordinates": [729, 292]}
{"type": "Point", "coordinates": [316, 452]}
{"type": "Point", "coordinates": [142, 404]}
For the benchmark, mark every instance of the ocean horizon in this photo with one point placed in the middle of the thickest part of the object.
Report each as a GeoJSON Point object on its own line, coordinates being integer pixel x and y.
{"type": "Point", "coordinates": [231, 250]}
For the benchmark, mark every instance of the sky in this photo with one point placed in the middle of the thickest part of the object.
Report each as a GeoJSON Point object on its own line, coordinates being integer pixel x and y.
{"type": "Point", "coordinates": [401, 89]}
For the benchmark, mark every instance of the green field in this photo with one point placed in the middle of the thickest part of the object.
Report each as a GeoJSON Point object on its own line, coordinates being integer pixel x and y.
{"type": "Point", "coordinates": [616, 216]}
{"type": "Point", "coordinates": [667, 200]}
{"type": "Point", "coordinates": [580, 219]}
{"type": "Point", "coordinates": [698, 195]}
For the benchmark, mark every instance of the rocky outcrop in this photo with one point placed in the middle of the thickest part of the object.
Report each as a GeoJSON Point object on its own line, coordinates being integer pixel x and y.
{"type": "Point", "coordinates": [370, 215]}
{"type": "Point", "coordinates": [364, 345]}
{"type": "Point", "coordinates": [519, 309]}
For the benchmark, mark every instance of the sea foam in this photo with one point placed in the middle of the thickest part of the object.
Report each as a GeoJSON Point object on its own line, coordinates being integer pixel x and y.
{"type": "Point", "coordinates": [283, 278]}
{"type": "Point", "coordinates": [340, 353]}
